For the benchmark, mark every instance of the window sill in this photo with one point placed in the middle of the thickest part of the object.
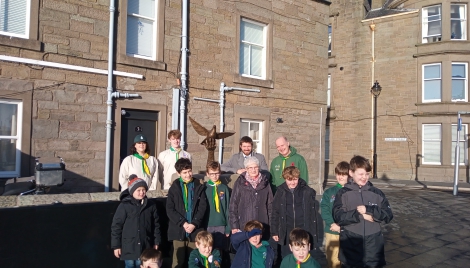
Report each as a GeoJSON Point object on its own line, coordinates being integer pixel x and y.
{"type": "Point", "coordinates": [253, 82]}
{"type": "Point", "coordinates": [20, 43]}
{"type": "Point", "coordinates": [138, 62]}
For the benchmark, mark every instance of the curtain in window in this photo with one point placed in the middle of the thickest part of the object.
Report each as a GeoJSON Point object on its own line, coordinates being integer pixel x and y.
{"type": "Point", "coordinates": [431, 24]}
{"type": "Point", "coordinates": [458, 22]}
{"type": "Point", "coordinates": [462, 143]}
{"type": "Point", "coordinates": [13, 16]}
{"type": "Point", "coordinates": [251, 50]}
{"type": "Point", "coordinates": [8, 129]}
{"type": "Point", "coordinates": [432, 143]}
{"type": "Point", "coordinates": [140, 28]}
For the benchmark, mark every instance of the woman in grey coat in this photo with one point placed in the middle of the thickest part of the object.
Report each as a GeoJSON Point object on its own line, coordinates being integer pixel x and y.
{"type": "Point", "coordinates": [251, 198]}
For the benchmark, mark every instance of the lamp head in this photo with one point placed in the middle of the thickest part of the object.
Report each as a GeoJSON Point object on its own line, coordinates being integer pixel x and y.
{"type": "Point", "coordinates": [376, 89]}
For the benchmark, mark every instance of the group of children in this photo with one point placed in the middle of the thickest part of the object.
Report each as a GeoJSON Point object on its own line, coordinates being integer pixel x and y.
{"type": "Point", "coordinates": [199, 222]}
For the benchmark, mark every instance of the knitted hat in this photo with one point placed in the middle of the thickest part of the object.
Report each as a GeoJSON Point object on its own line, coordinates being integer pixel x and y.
{"type": "Point", "coordinates": [140, 138]}
{"type": "Point", "coordinates": [135, 183]}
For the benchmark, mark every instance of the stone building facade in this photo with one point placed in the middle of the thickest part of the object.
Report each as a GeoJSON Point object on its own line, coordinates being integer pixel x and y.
{"type": "Point", "coordinates": [419, 52]}
{"type": "Point", "coordinates": [60, 109]}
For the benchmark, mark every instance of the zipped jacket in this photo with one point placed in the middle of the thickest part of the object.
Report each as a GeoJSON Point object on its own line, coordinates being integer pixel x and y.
{"type": "Point", "coordinates": [361, 241]}
{"type": "Point", "coordinates": [243, 247]}
{"type": "Point", "coordinates": [308, 209]}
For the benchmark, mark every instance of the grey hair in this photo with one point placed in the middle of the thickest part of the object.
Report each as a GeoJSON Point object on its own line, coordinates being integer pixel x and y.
{"type": "Point", "coordinates": [251, 160]}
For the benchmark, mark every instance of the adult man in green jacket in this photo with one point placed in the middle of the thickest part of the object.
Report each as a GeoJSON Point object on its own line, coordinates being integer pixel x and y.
{"type": "Point", "coordinates": [287, 157]}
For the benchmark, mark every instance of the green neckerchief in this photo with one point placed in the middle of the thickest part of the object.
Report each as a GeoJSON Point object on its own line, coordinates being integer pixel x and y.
{"type": "Point", "coordinates": [177, 152]}
{"type": "Point", "coordinates": [185, 195]}
{"type": "Point", "coordinates": [145, 168]}
{"type": "Point", "coordinates": [205, 261]}
{"type": "Point", "coordinates": [339, 185]}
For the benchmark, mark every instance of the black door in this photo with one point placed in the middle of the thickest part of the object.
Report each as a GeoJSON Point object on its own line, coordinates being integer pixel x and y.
{"type": "Point", "coordinates": [136, 122]}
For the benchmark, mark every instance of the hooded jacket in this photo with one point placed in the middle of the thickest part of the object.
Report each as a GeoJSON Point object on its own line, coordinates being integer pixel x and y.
{"type": "Point", "coordinates": [326, 205]}
{"type": "Point", "coordinates": [241, 244]}
{"type": "Point", "coordinates": [304, 203]}
{"type": "Point", "coordinates": [293, 159]}
{"type": "Point", "coordinates": [361, 241]}
{"type": "Point", "coordinates": [177, 213]}
{"type": "Point", "coordinates": [196, 261]}
{"type": "Point", "coordinates": [248, 204]}
{"type": "Point", "coordinates": [135, 226]}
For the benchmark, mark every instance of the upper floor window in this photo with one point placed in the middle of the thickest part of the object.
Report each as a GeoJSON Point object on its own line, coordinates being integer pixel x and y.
{"type": "Point", "coordinates": [462, 143]}
{"type": "Point", "coordinates": [329, 40]}
{"type": "Point", "coordinates": [327, 143]}
{"type": "Point", "coordinates": [432, 82]}
{"type": "Point", "coordinates": [431, 144]}
{"type": "Point", "coordinates": [141, 29]}
{"type": "Point", "coordinates": [253, 129]}
{"type": "Point", "coordinates": [459, 81]}
{"type": "Point", "coordinates": [252, 49]}
{"type": "Point", "coordinates": [10, 137]}
{"type": "Point", "coordinates": [458, 22]}
{"type": "Point", "coordinates": [14, 18]}
{"type": "Point", "coordinates": [328, 92]}
{"type": "Point", "coordinates": [432, 24]}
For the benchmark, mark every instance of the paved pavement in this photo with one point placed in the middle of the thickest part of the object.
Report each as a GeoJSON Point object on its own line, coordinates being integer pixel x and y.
{"type": "Point", "coordinates": [431, 226]}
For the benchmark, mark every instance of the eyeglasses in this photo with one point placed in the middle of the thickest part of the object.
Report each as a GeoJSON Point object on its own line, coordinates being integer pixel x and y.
{"type": "Point", "coordinates": [213, 174]}
{"type": "Point", "coordinates": [252, 168]}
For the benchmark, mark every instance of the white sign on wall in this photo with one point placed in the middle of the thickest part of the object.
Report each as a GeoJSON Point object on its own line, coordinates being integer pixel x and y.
{"type": "Point", "coordinates": [395, 139]}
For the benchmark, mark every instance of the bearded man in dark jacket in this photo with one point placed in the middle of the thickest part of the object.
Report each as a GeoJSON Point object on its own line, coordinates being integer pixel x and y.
{"type": "Point", "coordinates": [359, 208]}
{"type": "Point", "coordinates": [294, 207]}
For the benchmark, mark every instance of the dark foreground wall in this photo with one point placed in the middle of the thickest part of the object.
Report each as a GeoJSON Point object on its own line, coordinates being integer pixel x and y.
{"type": "Point", "coordinates": [63, 235]}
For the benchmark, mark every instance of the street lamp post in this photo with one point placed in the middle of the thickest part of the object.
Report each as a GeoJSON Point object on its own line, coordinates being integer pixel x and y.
{"type": "Point", "coordinates": [375, 90]}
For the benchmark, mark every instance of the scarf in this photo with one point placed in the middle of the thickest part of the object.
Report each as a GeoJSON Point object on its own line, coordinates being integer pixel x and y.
{"type": "Point", "coordinates": [215, 194]}
{"type": "Point", "coordinates": [299, 262]}
{"type": "Point", "coordinates": [185, 192]}
{"type": "Point", "coordinates": [204, 259]}
{"type": "Point", "coordinates": [253, 181]}
{"type": "Point", "coordinates": [145, 168]}
{"type": "Point", "coordinates": [177, 152]}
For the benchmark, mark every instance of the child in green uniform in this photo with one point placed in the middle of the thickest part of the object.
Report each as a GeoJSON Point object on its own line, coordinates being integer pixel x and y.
{"type": "Point", "coordinates": [203, 256]}
{"type": "Point", "coordinates": [300, 246]}
{"type": "Point", "coordinates": [331, 228]}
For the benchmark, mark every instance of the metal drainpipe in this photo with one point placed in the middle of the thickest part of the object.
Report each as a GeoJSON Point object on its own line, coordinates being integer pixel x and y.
{"type": "Point", "coordinates": [111, 95]}
{"type": "Point", "coordinates": [222, 105]}
{"type": "Point", "coordinates": [184, 74]}
{"type": "Point", "coordinates": [372, 28]}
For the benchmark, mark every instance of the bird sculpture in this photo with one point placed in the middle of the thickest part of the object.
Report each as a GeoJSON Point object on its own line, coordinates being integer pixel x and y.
{"type": "Point", "coordinates": [211, 135]}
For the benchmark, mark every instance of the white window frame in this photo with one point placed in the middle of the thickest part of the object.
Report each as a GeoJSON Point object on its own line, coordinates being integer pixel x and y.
{"type": "Point", "coordinates": [328, 92]}
{"type": "Point", "coordinates": [463, 22]}
{"type": "Point", "coordinates": [27, 23]}
{"type": "Point", "coordinates": [465, 81]}
{"type": "Point", "coordinates": [258, 142]}
{"type": "Point", "coordinates": [330, 35]}
{"type": "Point", "coordinates": [17, 137]}
{"type": "Point", "coordinates": [463, 139]}
{"type": "Point", "coordinates": [429, 79]}
{"type": "Point", "coordinates": [263, 46]}
{"type": "Point", "coordinates": [425, 27]}
{"type": "Point", "coordinates": [424, 141]}
{"type": "Point", "coordinates": [154, 31]}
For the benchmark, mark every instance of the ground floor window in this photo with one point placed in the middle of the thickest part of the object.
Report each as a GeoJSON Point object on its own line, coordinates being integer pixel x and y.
{"type": "Point", "coordinates": [431, 144]}
{"type": "Point", "coordinates": [253, 129]}
{"type": "Point", "coordinates": [10, 137]}
{"type": "Point", "coordinates": [462, 143]}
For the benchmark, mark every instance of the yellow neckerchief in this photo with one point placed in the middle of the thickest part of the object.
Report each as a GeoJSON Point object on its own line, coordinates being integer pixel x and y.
{"type": "Point", "coordinates": [215, 194]}
{"type": "Point", "coordinates": [145, 168]}
{"type": "Point", "coordinates": [299, 262]}
{"type": "Point", "coordinates": [185, 195]}
{"type": "Point", "coordinates": [204, 259]}
{"type": "Point", "coordinates": [177, 152]}
{"type": "Point", "coordinates": [284, 162]}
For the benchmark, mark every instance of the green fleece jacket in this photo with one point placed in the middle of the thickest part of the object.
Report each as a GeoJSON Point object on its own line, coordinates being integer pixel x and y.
{"type": "Point", "coordinates": [293, 159]}
{"type": "Point", "coordinates": [218, 218]}
{"type": "Point", "coordinates": [326, 205]}
{"type": "Point", "coordinates": [197, 261]}
{"type": "Point", "coordinates": [290, 262]}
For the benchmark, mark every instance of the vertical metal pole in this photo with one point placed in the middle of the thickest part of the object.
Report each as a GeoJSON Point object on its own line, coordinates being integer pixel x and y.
{"type": "Point", "coordinates": [457, 156]}
{"type": "Point", "coordinates": [375, 138]}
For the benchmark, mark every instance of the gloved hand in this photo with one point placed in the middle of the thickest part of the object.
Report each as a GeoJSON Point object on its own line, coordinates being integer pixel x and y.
{"type": "Point", "coordinates": [254, 232]}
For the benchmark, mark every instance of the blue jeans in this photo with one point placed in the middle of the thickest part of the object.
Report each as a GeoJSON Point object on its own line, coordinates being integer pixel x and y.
{"type": "Point", "coordinates": [132, 263]}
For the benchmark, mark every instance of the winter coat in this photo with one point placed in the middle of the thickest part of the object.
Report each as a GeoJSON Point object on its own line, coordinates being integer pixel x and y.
{"type": "Point", "coordinates": [248, 204]}
{"type": "Point", "coordinates": [133, 165]}
{"type": "Point", "coordinates": [279, 222]}
{"type": "Point", "coordinates": [196, 261]}
{"type": "Point", "coordinates": [293, 159]}
{"type": "Point", "coordinates": [135, 226]}
{"type": "Point", "coordinates": [237, 161]}
{"type": "Point", "coordinates": [361, 241]}
{"type": "Point", "coordinates": [289, 261]}
{"type": "Point", "coordinates": [242, 258]}
{"type": "Point", "coordinates": [326, 205]}
{"type": "Point", "coordinates": [177, 213]}
{"type": "Point", "coordinates": [167, 160]}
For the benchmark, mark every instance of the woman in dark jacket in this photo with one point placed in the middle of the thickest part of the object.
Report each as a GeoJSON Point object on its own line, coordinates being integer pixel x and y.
{"type": "Point", "coordinates": [251, 198]}
{"type": "Point", "coordinates": [294, 205]}
{"type": "Point", "coordinates": [135, 225]}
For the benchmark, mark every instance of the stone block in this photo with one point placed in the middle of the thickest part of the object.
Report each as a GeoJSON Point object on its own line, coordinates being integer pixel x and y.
{"type": "Point", "coordinates": [93, 13]}
{"type": "Point", "coordinates": [60, 6]}
{"type": "Point", "coordinates": [73, 125]}
{"type": "Point", "coordinates": [8, 201]}
{"type": "Point", "coordinates": [47, 105]}
{"type": "Point", "coordinates": [50, 199]}
{"type": "Point", "coordinates": [81, 26]}
{"type": "Point", "coordinates": [64, 96]}
{"type": "Point", "coordinates": [98, 131]}
{"type": "Point", "coordinates": [103, 197]}
{"type": "Point", "coordinates": [74, 135]}
{"type": "Point", "coordinates": [89, 98]}
{"type": "Point", "coordinates": [92, 146]}
{"type": "Point", "coordinates": [83, 116]}
{"type": "Point", "coordinates": [79, 45]}
{"type": "Point", "coordinates": [45, 129]}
